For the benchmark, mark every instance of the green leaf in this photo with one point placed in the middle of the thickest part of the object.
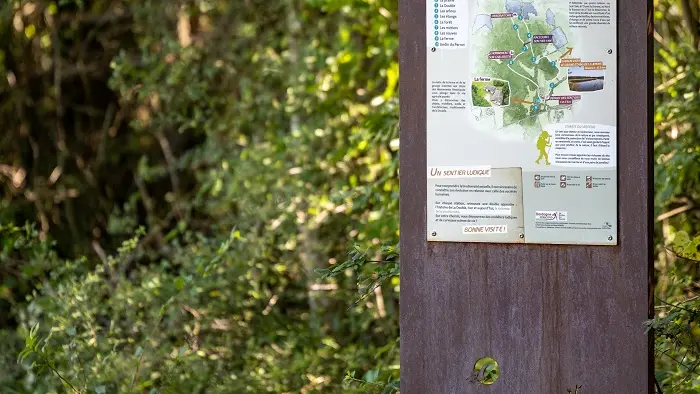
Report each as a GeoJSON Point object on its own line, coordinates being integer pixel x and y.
{"type": "Point", "coordinates": [179, 284]}
{"type": "Point", "coordinates": [372, 375]}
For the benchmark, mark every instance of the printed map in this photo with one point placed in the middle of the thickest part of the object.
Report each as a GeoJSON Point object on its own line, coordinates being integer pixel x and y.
{"type": "Point", "coordinates": [523, 44]}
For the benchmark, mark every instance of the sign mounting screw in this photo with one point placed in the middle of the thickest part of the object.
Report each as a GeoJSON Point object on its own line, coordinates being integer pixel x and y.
{"type": "Point", "coordinates": [434, 233]}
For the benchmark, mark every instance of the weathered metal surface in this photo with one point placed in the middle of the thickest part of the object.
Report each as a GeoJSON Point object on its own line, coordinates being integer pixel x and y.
{"type": "Point", "coordinates": [554, 317]}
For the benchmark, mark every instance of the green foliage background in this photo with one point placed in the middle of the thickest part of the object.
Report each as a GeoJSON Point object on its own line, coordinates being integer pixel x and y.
{"type": "Point", "coordinates": [180, 183]}
{"type": "Point", "coordinates": [677, 198]}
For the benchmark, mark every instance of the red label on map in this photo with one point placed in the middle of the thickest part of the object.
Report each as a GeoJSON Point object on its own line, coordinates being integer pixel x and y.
{"type": "Point", "coordinates": [542, 38]}
{"type": "Point", "coordinates": [503, 15]}
{"type": "Point", "coordinates": [568, 97]}
{"type": "Point", "coordinates": [500, 54]}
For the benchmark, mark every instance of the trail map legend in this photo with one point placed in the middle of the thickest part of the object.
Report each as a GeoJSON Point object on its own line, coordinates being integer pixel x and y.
{"type": "Point", "coordinates": [449, 24]}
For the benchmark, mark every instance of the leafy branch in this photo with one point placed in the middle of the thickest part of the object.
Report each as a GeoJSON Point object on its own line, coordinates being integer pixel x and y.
{"type": "Point", "coordinates": [35, 346]}
{"type": "Point", "coordinates": [383, 266]}
{"type": "Point", "coordinates": [369, 382]}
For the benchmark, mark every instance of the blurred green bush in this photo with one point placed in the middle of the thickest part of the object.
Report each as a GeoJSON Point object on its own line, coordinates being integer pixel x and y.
{"type": "Point", "coordinates": [677, 198]}
{"type": "Point", "coordinates": [247, 144]}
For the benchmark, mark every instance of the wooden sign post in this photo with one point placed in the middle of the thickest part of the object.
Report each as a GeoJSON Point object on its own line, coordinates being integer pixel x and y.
{"type": "Point", "coordinates": [513, 278]}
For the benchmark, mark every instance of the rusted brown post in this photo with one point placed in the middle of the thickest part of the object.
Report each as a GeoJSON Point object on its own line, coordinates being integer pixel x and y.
{"type": "Point", "coordinates": [557, 318]}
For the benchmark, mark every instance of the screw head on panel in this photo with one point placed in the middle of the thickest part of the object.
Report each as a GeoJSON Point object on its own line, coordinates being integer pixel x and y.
{"type": "Point", "coordinates": [434, 233]}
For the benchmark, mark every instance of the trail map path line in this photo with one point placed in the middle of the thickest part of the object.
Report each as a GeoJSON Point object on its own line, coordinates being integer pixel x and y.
{"type": "Point", "coordinates": [532, 50]}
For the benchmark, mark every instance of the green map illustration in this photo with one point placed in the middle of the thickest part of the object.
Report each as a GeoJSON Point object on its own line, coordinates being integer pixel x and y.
{"type": "Point", "coordinates": [522, 43]}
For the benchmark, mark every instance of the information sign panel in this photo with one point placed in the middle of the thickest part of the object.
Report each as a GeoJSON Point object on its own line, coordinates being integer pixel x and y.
{"type": "Point", "coordinates": [522, 121]}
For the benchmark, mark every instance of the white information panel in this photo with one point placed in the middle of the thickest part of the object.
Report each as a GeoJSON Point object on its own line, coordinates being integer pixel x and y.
{"type": "Point", "coordinates": [522, 121]}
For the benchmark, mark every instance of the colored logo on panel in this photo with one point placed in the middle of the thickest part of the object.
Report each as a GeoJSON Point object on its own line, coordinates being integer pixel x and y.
{"type": "Point", "coordinates": [551, 216]}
